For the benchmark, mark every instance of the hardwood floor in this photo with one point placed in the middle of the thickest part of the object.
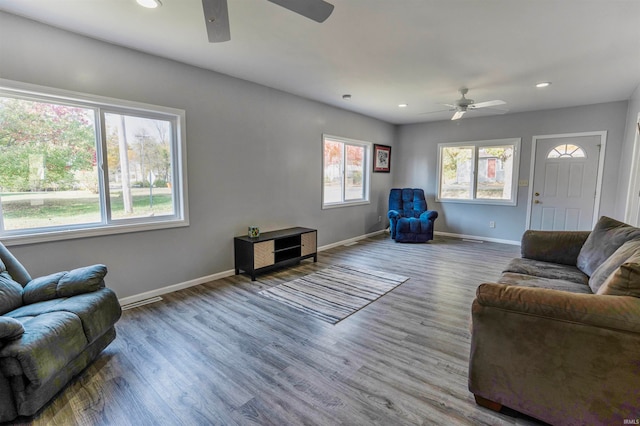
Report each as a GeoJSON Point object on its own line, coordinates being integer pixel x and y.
{"type": "Point", "coordinates": [220, 353]}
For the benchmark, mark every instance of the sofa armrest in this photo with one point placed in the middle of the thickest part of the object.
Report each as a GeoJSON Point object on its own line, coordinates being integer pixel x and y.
{"type": "Point", "coordinates": [612, 312]}
{"type": "Point", "coordinates": [394, 214]}
{"type": "Point", "coordinates": [563, 358]}
{"type": "Point", "coordinates": [553, 246]}
{"type": "Point", "coordinates": [10, 329]}
{"type": "Point", "coordinates": [429, 215]}
{"type": "Point", "coordinates": [65, 284]}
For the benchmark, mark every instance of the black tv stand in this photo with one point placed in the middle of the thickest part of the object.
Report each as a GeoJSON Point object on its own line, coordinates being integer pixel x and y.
{"type": "Point", "coordinates": [273, 249]}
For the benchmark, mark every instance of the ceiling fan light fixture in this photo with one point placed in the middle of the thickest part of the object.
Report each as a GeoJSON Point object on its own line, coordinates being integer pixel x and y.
{"type": "Point", "coordinates": [543, 84]}
{"type": "Point", "coordinates": [149, 4]}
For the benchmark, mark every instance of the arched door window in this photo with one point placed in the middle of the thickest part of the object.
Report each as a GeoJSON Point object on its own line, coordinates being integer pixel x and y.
{"type": "Point", "coordinates": [567, 150]}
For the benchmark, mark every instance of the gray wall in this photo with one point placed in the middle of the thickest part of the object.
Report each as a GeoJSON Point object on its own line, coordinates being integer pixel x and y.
{"type": "Point", "coordinates": [254, 157]}
{"type": "Point", "coordinates": [417, 153]}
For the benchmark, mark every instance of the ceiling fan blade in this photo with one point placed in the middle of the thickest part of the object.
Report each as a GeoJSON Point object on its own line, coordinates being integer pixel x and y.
{"type": "Point", "coordinates": [498, 110]}
{"type": "Point", "coordinates": [317, 10]}
{"type": "Point", "coordinates": [433, 112]}
{"type": "Point", "coordinates": [488, 104]}
{"type": "Point", "coordinates": [458, 115]}
{"type": "Point", "coordinates": [216, 18]}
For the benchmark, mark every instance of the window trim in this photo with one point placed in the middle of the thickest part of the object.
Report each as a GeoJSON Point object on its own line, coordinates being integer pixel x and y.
{"type": "Point", "coordinates": [366, 174]}
{"type": "Point", "coordinates": [476, 145]}
{"type": "Point", "coordinates": [102, 104]}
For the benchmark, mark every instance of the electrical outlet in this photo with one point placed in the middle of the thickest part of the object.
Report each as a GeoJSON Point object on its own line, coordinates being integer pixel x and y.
{"type": "Point", "coordinates": [492, 224]}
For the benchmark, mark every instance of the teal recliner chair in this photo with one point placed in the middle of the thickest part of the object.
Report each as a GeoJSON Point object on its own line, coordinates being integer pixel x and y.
{"type": "Point", "coordinates": [409, 219]}
{"type": "Point", "coordinates": [51, 328]}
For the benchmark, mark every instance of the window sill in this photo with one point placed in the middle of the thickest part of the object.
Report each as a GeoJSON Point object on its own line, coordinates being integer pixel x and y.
{"type": "Point", "coordinates": [346, 204]}
{"type": "Point", "coordinates": [15, 240]}
{"type": "Point", "coordinates": [507, 203]}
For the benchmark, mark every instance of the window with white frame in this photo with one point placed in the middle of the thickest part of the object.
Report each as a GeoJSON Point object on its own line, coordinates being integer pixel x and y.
{"type": "Point", "coordinates": [73, 165]}
{"type": "Point", "coordinates": [483, 172]}
{"type": "Point", "coordinates": [345, 171]}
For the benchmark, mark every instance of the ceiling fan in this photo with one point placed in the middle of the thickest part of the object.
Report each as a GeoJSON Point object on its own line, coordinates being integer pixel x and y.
{"type": "Point", "coordinates": [463, 105]}
{"type": "Point", "coordinates": [216, 14]}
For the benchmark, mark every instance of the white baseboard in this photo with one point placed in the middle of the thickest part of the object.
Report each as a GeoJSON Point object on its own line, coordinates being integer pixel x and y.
{"type": "Point", "coordinates": [475, 237]}
{"type": "Point", "coordinates": [175, 287]}
{"type": "Point", "coordinates": [350, 240]}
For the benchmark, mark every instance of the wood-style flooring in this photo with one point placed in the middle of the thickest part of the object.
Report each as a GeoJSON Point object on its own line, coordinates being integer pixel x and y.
{"type": "Point", "coordinates": [221, 354]}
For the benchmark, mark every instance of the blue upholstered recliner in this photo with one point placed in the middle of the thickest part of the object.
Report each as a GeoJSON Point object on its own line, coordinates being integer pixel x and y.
{"type": "Point", "coordinates": [409, 219]}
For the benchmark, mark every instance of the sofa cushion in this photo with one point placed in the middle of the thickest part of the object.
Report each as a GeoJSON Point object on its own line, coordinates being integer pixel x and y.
{"type": "Point", "coordinates": [612, 263]}
{"type": "Point", "coordinates": [549, 270]}
{"type": "Point", "coordinates": [625, 280]}
{"type": "Point", "coordinates": [97, 310]}
{"type": "Point", "coordinates": [524, 280]}
{"type": "Point", "coordinates": [35, 309]}
{"type": "Point", "coordinates": [82, 280]}
{"type": "Point", "coordinates": [553, 246]}
{"type": "Point", "coordinates": [10, 328]}
{"type": "Point", "coordinates": [10, 293]}
{"type": "Point", "coordinates": [65, 284]}
{"type": "Point", "coordinates": [607, 236]}
{"type": "Point", "coordinates": [49, 343]}
{"type": "Point", "coordinates": [41, 288]}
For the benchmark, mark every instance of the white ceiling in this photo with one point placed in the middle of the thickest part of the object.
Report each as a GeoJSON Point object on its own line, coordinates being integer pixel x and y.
{"type": "Point", "coordinates": [387, 52]}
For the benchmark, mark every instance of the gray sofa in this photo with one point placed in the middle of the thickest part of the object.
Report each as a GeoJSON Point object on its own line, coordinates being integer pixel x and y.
{"type": "Point", "coordinates": [51, 328]}
{"type": "Point", "coordinates": [558, 337]}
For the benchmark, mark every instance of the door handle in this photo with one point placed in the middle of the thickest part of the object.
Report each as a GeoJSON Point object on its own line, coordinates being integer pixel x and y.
{"type": "Point", "coordinates": [536, 201]}
{"type": "Point", "coordinates": [537, 194]}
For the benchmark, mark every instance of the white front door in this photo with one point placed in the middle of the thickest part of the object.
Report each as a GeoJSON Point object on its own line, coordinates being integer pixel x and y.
{"type": "Point", "coordinates": [565, 177]}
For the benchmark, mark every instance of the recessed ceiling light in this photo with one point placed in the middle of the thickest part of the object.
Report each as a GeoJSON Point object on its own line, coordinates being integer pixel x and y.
{"type": "Point", "coordinates": [403, 105]}
{"type": "Point", "coordinates": [150, 4]}
{"type": "Point", "coordinates": [543, 84]}
{"type": "Point", "coordinates": [346, 97]}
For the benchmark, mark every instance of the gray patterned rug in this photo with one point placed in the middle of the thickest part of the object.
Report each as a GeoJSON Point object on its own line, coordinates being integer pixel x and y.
{"type": "Point", "coordinates": [334, 293]}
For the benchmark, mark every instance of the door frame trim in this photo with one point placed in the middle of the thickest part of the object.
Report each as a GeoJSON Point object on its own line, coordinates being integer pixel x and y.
{"type": "Point", "coordinates": [603, 150]}
{"type": "Point", "coordinates": [633, 191]}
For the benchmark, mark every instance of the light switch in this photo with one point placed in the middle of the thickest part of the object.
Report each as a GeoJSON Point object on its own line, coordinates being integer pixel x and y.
{"type": "Point", "coordinates": [523, 182]}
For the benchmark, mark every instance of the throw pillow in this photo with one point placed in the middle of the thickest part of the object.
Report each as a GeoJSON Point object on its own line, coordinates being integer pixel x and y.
{"type": "Point", "coordinates": [10, 328]}
{"type": "Point", "coordinates": [607, 236]}
{"type": "Point", "coordinates": [614, 261]}
{"type": "Point", "coordinates": [624, 281]}
{"type": "Point", "coordinates": [82, 280]}
{"type": "Point", "coordinates": [10, 293]}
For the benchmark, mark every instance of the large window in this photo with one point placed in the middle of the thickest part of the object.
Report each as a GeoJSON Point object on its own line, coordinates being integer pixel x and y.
{"type": "Point", "coordinates": [479, 172]}
{"type": "Point", "coordinates": [73, 165]}
{"type": "Point", "coordinates": [345, 171]}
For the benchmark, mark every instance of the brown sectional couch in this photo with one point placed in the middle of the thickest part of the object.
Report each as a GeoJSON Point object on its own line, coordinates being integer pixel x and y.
{"type": "Point", "coordinates": [558, 337]}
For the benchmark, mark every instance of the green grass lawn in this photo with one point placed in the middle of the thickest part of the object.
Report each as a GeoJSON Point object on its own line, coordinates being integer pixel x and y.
{"type": "Point", "coordinates": [60, 209]}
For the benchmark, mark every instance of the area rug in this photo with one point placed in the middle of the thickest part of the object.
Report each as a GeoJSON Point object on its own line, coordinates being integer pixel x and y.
{"type": "Point", "coordinates": [334, 293]}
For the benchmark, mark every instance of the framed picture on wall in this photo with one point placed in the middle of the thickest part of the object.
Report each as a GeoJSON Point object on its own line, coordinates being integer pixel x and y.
{"type": "Point", "coordinates": [381, 158]}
